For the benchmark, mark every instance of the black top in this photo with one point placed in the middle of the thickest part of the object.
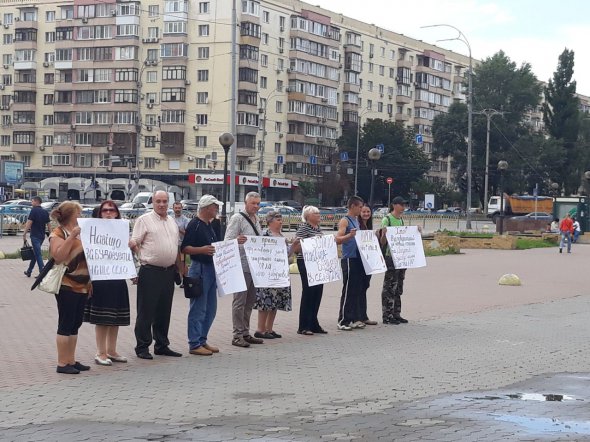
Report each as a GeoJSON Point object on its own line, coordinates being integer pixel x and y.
{"type": "Point", "coordinates": [39, 218]}
{"type": "Point", "coordinates": [199, 233]}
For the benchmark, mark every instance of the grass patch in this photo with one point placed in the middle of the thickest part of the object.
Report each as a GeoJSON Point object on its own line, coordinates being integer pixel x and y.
{"type": "Point", "coordinates": [16, 255]}
{"type": "Point", "coordinates": [441, 252]}
{"type": "Point", "coordinates": [530, 243]}
{"type": "Point", "coordinates": [466, 234]}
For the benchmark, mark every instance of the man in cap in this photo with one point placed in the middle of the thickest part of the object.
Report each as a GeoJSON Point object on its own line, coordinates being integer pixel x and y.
{"type": "Point", "coordinates": [197, 242]}
{"type": "Point", "coordinates": [393, 283]}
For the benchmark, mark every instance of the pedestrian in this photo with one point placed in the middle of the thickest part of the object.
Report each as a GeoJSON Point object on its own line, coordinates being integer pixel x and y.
{"type": "Point", "coordinates": [241, 224]}
{"type": "Point", "coordinates": [66, 248]}
{"type": "Point", "coordinates": [555, 225]}
{"type": "Point", "coordinates": [36, 224]}
{"type": "Point", "coordinates": [108, 307]}
{"type": "Point", "coordinates": [566, 228]}
{"type": "Point", "coordinates": [155, 241]}
{"type": "Point", "coordinates": [270, 300]}
{"type": "Point", "coordinates": [197, 242]}
{"type": "Point", "coordinates": [577, 229]}
{"type": "Point", "coordinates": [353, 272]}
{"type": "Point", "coordinates": [311, 297]}
{"type": "Point", "coordinates": [365, 223]}
{"type": "Point", "coordinates": [182, 222]}
{"type": "Point", "coordinates": [393, 282]}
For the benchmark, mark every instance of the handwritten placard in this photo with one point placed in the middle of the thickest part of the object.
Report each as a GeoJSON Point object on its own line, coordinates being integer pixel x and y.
{"type": "Point", "coordinates": [268, 261]}
{"type": "Point", "coordinates": [370, 252]}
{"type": "Point", "coordinates": [105, 243]}
{"type": "Point", "coordinates": [406, 247]}
{"type": "Point", "coordinates": [228, 267]}
{"type": "Point", "coordinates": [321, 259]}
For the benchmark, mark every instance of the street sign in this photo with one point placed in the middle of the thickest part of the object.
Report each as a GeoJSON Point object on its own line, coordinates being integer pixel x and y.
{"type": "Point", "coordinates": [419, 139]}
{"type": "Point", "coordinates": [280, 159]}
{"type": "Point", "coordinates": [380, 148]}
{"type": "Point", "coordinates": [343, 156]}
{"type": "Point", "coordinates": [389, 180]}
{"type": "Point", "coordinates": [313, 159]}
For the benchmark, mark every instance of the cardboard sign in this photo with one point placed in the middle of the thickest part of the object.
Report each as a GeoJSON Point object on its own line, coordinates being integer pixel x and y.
{"type": "Point", "coordinates": [405, 243]}
{"type": "Point", "coordinates": [228, 267]}
{"type": "Point", "coordinates": [321, 259]}
{"type": "Point", "coordinates": [268, 261]}
{"type": "Point", "coordinates": [370, 252]}
{"type": "Point", "coordinates": [106, 248]}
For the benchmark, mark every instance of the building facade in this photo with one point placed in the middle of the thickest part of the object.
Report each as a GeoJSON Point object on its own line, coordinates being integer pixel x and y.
{"type": "Point", "coordinates": [129, 89]}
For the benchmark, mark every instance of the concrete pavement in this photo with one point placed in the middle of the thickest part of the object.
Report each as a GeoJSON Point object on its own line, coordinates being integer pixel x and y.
{"type": "Point", "coordinates": [468, 338]}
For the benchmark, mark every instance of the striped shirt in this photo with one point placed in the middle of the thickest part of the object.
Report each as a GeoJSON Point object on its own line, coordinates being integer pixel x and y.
{"type": "Point", "coordinates": [76, 278]}
{"type": "Point", "coordinates": [157, 239]}
{"type": "Point", "coordinates": [238, 225]}
{"type": "Point", "coordinates": [306, 230]}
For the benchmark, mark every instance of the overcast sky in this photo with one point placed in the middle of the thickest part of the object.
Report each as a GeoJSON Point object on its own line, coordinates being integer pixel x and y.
{"type": "Point", "coordinates": [533, 31]}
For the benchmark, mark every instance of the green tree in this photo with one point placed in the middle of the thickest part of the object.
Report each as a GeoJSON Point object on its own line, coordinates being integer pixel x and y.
{"type": "Point", "coordinates": [402, 159]}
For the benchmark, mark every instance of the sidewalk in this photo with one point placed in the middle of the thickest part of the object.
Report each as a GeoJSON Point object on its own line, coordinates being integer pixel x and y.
{"type": "Point", "coordinates": [465, 333]}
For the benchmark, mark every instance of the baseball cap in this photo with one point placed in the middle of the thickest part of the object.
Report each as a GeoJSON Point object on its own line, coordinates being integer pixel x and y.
{"type": "Point", "coordinates": [207, 200]}
{"type": "Point", "coordinates": [398, 200]}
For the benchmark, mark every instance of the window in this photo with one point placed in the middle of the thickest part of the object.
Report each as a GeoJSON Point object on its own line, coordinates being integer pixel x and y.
{"type": "Point", "coordinates": [203, 30]}
{"type": "Point", "coordinates": [172, 116]}
{"type": "Point", "coordinates": [247, 97]}
{"type": "Point", "coordinates": [174, 73]}
{"type": "Point", "coordinates": [202, 75]}
{"type": "Point", "coordinates": [67, 12]}
{"type": "Point", "coordinates": [62, 34]}
{"type": "Point", "coordinates": [263, 60]}
{"type": "Point", "coordinates": [248, 119]}
{"type": "Point", "coordinates": [201, 141]}
{"type": "Point", "coordinates": [248, 52]}
{"type": "Point", "coordinates": [175, 27]}
{"type": "Point", "coordinates": [263, 82]}
{"type": "Point", "coordinates": [84, 117]}
{"type": "Point", "coordinates": [150, 141]}
{"type": "Point", "coordinates": [126, 96]}
{"type": "Point", "coordinates": [7, 39]}
{"type": "Point", "coordinates": [126, 74]}
{"type": "Point", "coordinates": [277, 147]}
{"type": "Point", "coordinates": [251, 7]}
{"type": "Point", "coordinates": [48, 99]}
{"type": "Point", "coordinates": [23, 137]}
{"type": "Point", "coordinates": [47, 140]}
{"type": "Point", "coordinates": [103, 75]}
{"type": "Point", "coordinates": [152, 55]}
{"type": "Point", "coordinates": [278, 127]}
{"type": "Point", "coordinates": [83, 138]}
{"type": "Point", "coordinates": [153, 32]}
{"type": "Point", "coordinates": [202, 119]}
{"type": "Point", "coordinates": [151, 97]}
{"type": "Point", "coordinates": [124, 30]}
{"type": "Point", "coordinates": [49, 37]}
{"type": "Point", "coordinates": [152, 77]}
{"type": "Point", "coordinates": [153, 10]}
{"type": "Point", "coordinates": [204, 7]}
{"type": "Point", "coordinates": [127, 53]}
{"type": "Point", "coordinates": [250, 29]}
{"type": "Point", "coordinates": [248, 75]}
{"type": "Point", "coordinates": [202, 97]}
{"type": "Point", "coordinates": [151, 119]}
{"type": "Point", "coordinates": [173, 94]}
{"type": "Point", "coordinates": [149, 163]}
{"type": "Point", "coordinates": [203, 52]}
{"type": "Point", "coordinates": [49, 78]}
{"type": "Point", "coordinates": [279, 106]}
{"type": "Point", "coordinates": [265, 16]}
{"type": "Point", "coordinates": [61, 159]}
{"type": "Point", "coordinates": [5, 140]}
{"type": "Point", "coordinates": [264, 38]}
{"type": "Point", "coordinates": [128, 9]}
{"type": "Point", "coordinates": [174, 50]}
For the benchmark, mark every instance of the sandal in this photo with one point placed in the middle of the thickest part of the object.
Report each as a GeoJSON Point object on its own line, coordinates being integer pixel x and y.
{"type": "Point", "coordinates": [305, 332]}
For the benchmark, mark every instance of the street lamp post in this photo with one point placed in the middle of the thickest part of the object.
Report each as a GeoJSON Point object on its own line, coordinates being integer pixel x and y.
{"type": "Point", "coordinates": [374, 155]}
{"type": "Point", "coordinates": [502, 166]}
{"type": "Point", "coordinates": [226, 140]}
{"type": "Point", "coordinates": [461, 37]}
{"type": "Point", "coordinates": [356, 160]}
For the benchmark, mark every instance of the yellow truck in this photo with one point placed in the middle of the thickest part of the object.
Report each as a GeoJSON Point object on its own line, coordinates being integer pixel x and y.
{"type": "Point", "coordinates": [519, 205]}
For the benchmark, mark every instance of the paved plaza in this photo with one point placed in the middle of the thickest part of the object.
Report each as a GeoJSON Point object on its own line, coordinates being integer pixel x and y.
{"type": "Point", "coordinates": [473, 364]}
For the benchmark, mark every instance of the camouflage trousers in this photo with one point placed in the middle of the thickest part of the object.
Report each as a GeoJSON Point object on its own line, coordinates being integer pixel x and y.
{"type": "Point", "coordinates": [393, 287]}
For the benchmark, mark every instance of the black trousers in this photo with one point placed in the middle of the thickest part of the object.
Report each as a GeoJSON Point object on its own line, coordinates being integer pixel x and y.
{"type": "Point", "coordinates": [155, 289]}
{"type": "Point", "coordinates": [353, 283]}
{"type": "Point", "coordinates": [311, 298]}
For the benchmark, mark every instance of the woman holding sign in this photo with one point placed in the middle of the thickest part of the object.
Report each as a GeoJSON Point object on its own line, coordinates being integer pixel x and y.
{"type": "Point", "coordinates": [365, 223]}
{"type": "Point", "coordinates": [269, 300]}
{"type": "Point", "coordinates": [108, 307]}
{"type": "Point", "coordinates": [311, 297]}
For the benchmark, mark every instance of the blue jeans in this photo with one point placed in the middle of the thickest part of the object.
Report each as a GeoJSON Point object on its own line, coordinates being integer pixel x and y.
{"type": "Point", "coordinates": [36, 244]}
{"type": "Point", "coordinates": [576, 235]}
{"type": "Point", "coordinates": [202, 309]}
{"type": "Point", "coordinates": [566, 236]}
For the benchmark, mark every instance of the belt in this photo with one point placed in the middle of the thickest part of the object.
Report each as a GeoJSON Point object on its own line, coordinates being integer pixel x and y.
{"type": "Point", "coordinates": [162, 269]}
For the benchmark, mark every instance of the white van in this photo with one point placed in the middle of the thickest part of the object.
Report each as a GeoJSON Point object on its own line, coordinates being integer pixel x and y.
{"type": "Point", "coordinates": [145, 198]}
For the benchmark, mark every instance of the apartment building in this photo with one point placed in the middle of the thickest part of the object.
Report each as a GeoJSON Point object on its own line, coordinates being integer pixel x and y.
{"type": "Point", "coordinates": [85, 83]}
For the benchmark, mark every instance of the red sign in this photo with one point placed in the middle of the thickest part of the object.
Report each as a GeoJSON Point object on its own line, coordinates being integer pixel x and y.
{"type": "Point", "coordinates": [389, 180]}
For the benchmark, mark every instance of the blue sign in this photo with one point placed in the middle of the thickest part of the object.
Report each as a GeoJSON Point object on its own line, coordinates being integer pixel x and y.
{"type": "Point", "coordinates": [380, 148]}
{"type": "Point", "coordinates": [419, 139]}
{"type": "Point", "coordinates": [280, 159]}
{"type": "Point", "coordinates": [313, 159]}
{"type": "Point", "coordinates": [343, 156]}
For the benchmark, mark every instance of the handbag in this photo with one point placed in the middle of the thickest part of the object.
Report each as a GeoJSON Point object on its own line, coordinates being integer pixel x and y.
{"type": "Point", "coordinates": [193, 287]}
{"type": "Point", "coordinates": [51, 283]}
{"type": "Point", "coordinates": [26, 251]}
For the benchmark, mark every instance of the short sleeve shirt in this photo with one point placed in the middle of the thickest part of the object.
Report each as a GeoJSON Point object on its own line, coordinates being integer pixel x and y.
{"type": "Point", "coordinates": [199, 234]}
{"type": "Point", "coordinates": [391, 221]}
{"type": "Point", "coordinates": [39, 218]}
{"type": "Point", "coordinates": [182, 222]}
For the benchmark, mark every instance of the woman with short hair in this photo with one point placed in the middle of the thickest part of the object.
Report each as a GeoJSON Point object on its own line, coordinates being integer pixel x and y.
{"type": "Point", "coordinates": [66, 248]}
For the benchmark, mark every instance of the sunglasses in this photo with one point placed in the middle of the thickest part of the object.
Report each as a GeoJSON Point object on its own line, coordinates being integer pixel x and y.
{"type": "Point", "coordinates": [108, 209]}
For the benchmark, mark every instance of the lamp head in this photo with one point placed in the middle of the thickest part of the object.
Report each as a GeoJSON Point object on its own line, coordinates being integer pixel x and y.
{"type": "Point", "coordinates": [226, 140]}
{"type": "Point", "coordinates": [502, 165]}
{"type": "Point", "coordinates": [374, 154]}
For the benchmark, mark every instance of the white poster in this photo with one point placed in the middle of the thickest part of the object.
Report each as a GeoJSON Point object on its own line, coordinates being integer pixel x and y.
{"type": "Point", "coordinates": [268, 261]}
{"type": "Point", "coordinates": [106, 248]}
{"type": "Point", "coordinates": [405, 243]}
{"type": "Point", "coordinates": [321, 260]}
{"type": "Point", "coordinates": [370, 251]}
{"type": "Point", "coordinates": [228, 267]}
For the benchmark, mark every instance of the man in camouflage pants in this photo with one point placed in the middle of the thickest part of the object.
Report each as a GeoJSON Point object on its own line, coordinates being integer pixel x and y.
{"type": "Point", "coordinates": [393, 283]}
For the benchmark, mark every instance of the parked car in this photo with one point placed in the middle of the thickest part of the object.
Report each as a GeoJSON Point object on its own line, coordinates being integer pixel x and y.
{"type": "Point", "coordinates": [15, 210]}
{"type": "Point", "coordinates": [329, 218]}
{"type": "Point", "coordinates": [291, 203]}
{"type": "Point", "coordinates": [542, 216]}
{"type": "Point", "coordinates": [50, 205]}
{"type": "Point", "coordinates": [190, 205]}
{"type": "Point", "coordinates": [133, 210]}
{"type": "Point", "coordinates": [10, 225]}
{"type": "Point", "coordinates": [451, 210]}
{"type": "Point", "coordinates": [25, 203]}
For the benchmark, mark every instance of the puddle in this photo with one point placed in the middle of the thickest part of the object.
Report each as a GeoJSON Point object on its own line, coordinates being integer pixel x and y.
{"type": "Point", "coordinates": [529, 397]}
{"type": "Point", "coordinates": [546, 425]}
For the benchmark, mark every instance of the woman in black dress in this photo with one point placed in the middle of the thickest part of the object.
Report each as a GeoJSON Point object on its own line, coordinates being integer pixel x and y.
{"type": "Point", "coordinates": [108, 307]}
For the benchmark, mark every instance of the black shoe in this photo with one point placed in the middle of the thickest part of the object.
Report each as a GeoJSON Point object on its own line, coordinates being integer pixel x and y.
{"type": "Point", "coordinates": [275, 334]}
{"type": "Point", "coordinates": [252, 340]}
{"type": "Point", "coordinates": [320, 331]}
{"type": "Point", "coordinates": [391, 321]}
{"type": "Point", "coordinates": [167, 352]}
{"type": "Point", "coordinates": [177, 278]}
{"type": "Point", "coordinates": [67, 369]}
{"type": "Point", "coordinates": [264, 335]}
{"type": "Point", "coordinates": [81, 367]}
{"type": "Point", "coordinates": [401, 320]}
{"type": "Point", "coordinates": [145, 355]}
{"type": "Point", "coordinates": [27, 273]}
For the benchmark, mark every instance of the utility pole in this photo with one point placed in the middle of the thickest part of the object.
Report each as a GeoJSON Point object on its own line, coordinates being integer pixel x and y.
{"type": "Point", "coordinates": [233, 110]}
{"type": "Point", "coordinates": [489, 113]}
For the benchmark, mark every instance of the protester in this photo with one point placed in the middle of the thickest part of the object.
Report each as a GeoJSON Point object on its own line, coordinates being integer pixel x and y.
{"type": "Point", "coordinates": [269, 300]}
{"type": "Point", "coordinates": [566, 228]}
{"type": "Point", "coordinates": [393, 283]}
{"type": "Point", "coordinates": [108, 307]}
{"type": "Point", "coordinates": [155, 241]}
{"type": "Point", "coordinates": [36, 224]}
{"type": "Point", "coordinates": [577, 229]}
{"type": "Point", "coordinates": [241, 224]}
{"type": "Point", "coordinates": [353, 272]}
{"type": "Point", "coordinates": [365, 223]}
{"type": "Point", "coordinates": [182, 222]}
{"type": "Point", "coordinates": [311, 297]}
{"type": "Point", "coordinates": [197, 243]}
{"type": "Point", "coordinates": [66, 248]}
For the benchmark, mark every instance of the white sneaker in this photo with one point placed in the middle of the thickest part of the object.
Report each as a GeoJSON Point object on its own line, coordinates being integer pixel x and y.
{"type": "Point", "coordinates": [358, 324]}
{"type": "Point", "coordinates": [344, 327]}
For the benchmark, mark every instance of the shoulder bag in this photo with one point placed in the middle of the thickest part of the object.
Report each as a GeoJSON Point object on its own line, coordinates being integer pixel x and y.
{"type": "Point", "coordinates": [51, 282]}
{"type": "Point", "coordinates": [250, 222]}
{"type": "Point", "coordinates": [26, 251]}
{"type": "Point", "coordinates": [193, 287]}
